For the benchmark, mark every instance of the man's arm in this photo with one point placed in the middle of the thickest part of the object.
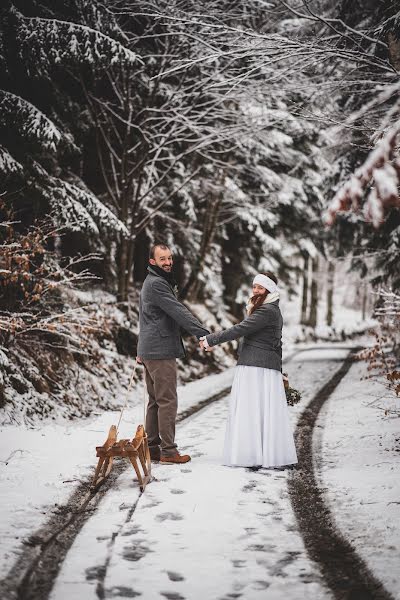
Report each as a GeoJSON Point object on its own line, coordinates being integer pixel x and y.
{"type": "Point", "coordinates": [165, 299]}
{"type": "Point", "coordinates": [250, 324]}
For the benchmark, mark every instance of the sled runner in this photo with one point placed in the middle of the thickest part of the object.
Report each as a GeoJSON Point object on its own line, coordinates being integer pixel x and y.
{"type": "Point", "coordinates": [135, 450]}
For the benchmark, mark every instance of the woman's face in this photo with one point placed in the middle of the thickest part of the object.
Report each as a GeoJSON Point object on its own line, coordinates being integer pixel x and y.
{"type": "Point", "coordinates": [258, 289]}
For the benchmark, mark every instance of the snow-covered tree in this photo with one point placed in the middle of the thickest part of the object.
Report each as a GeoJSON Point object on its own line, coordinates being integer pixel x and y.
{"type": "Point", "coordinates": [37, 139]}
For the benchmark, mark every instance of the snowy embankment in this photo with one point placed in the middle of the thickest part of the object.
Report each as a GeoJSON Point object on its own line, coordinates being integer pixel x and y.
{"type": "Point", "coordinates": [40, 381]}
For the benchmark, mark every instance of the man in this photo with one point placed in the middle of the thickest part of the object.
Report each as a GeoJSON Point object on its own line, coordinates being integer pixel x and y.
{"type": "Point", "coordinates": [161, 316]}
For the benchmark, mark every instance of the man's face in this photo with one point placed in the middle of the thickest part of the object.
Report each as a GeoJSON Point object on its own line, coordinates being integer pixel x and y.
{"type": "Point", "coordinates": [258, 289]}
{"type": "Point", "coordinates": [163, 259]}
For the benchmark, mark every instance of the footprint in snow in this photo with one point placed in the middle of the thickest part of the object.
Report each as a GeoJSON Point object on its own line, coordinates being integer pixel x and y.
{"type": "Point", "coordinates": [260, 585]}
{"type": "Point", "coordinates": [175, 576]}
{"type": "Point", "coordinates": [249, 487]}
{"type": "Point", "coordinates": [136, 553]}
{"type": "Point", "coordinates": [239, 564]}
{"type": "Point", "coordinates": [132, 530]}
{"type": "Point", "coordinates": [169, 516]}
{"type": "Point", "coordinates": [151, 504]}
{"type": "Point", "coordinates": [95, 572]}
{"type": "Point", "coordinates": [122, 591]}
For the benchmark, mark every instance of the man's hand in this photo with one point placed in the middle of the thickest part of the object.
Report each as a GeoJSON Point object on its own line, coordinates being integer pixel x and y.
{"type": "Point", "coordinates": [139, 360]}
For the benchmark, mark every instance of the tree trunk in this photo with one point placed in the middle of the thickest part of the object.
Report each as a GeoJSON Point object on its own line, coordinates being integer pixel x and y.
{"type": "Point", "coordinates": [394, 50]}
{"type": "Point", "coordinates": [193, 285]}
{"type": "Point", "coordinates": [364, 301]}
{"type": "Point", "coordinates": [304, 303]}
{"type": "Point", "coordinates": [312, 320]}
{"type": "Point", "coordinates": [129, 266]}
{"type": "Point", "coordinates": [329, 293]}
{"type": "Point", "coordinates": [123, 273]}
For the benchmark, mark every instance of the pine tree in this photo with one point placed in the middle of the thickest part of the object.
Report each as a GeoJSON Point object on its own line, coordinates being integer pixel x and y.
{"type": "Point", "coordinates": [44, 50]}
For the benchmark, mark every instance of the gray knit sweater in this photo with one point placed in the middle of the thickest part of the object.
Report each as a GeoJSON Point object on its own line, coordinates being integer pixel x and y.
{"type": "Point", "coordinates": [262, 337]}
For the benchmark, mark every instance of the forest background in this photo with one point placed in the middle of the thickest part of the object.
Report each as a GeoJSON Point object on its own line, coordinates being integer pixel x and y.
{"type": "Point", "coordinates": [248, 136]}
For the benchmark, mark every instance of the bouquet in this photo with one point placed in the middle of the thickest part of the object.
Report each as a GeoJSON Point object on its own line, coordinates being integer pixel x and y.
{"type": "Point", "coordinates": [292, 396]}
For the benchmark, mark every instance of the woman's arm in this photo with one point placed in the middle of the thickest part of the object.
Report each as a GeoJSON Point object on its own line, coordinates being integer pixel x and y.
{"type": "Point", "coordinates": [260, 318]}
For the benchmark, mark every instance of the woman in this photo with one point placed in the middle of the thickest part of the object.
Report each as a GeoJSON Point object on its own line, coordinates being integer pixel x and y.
{"type": "Point", "coordinates": [258, 431]}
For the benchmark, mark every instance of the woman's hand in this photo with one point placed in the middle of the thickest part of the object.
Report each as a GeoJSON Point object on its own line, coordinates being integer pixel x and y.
{"type": "Point", "coordinates": [205, 347]}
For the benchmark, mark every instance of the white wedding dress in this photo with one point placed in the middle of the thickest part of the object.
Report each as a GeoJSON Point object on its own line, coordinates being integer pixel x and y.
{"type": "Point", "coordinates": [258, 431]}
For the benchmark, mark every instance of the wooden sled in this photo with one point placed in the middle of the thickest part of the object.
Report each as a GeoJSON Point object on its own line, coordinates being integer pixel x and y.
{"type": "Point", "coordinates": [136, 450]}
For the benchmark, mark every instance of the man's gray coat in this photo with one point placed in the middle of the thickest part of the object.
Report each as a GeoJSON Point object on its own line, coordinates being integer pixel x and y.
{"type": "Point", "coordinates": [161, 316]}
{"type": "Point", "coordinates": [262, 337]}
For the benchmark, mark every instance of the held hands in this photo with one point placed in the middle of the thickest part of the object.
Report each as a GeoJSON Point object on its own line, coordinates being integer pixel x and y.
{"type": "Point", "coordinates": [203, 347]}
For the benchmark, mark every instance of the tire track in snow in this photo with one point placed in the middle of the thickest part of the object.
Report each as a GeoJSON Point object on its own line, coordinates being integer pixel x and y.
{"type": "Point", "coordinates": [344, 571]}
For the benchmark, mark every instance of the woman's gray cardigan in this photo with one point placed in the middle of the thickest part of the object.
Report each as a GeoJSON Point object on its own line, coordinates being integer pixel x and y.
{"type": "Point", "coordinates": [262, 337]}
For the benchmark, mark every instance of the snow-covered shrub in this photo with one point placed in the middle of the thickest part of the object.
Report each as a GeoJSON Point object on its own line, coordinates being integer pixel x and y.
{"type": "Point", "coordinates": [31, 277]}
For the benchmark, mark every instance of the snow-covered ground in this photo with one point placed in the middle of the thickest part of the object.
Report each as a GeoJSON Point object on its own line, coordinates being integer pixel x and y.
{"type": "Point", "coordinates": [347, 321]}
{"type": "Point", "coordinates": [39, 466]}
{"type": "Point", "coordinates": [201, 530]}
{"type": "Point", "coordinates": [202, 517]}
{"type": "Point", "coordinates": [359, 469]}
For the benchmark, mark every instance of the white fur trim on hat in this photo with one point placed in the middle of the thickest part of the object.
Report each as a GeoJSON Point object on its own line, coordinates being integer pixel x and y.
{"type": "Point", "coordinates": [266, 282]}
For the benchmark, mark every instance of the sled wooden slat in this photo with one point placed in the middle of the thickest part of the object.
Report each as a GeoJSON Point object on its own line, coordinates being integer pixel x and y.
{"type": "Point", "coordinates": [135, 450]}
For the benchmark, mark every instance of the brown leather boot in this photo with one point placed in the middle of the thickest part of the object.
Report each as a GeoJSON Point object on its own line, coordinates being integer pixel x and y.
{"type": "Point", "coordinates": [175, 459]}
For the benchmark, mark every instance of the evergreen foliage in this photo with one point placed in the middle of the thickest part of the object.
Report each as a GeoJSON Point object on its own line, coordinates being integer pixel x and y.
{"type": "Point", "coordinates": [223, 132]}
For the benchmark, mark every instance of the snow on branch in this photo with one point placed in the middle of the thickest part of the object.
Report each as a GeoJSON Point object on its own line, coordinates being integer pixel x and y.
{"type": "Point", "coordinates": [30, 122]}
{"type": "Point", "coordinates": [80, 210]}
{"type": "Point", "coordinates": [8, 164]}
{"type": "Point", "coordinates": [45, 42]}
{"type": "Point", "coordinates": [381, 174]}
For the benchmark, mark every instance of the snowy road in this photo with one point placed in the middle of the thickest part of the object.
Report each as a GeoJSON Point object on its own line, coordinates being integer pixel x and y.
{"type": "Point", "coordinates": [201, 530]}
